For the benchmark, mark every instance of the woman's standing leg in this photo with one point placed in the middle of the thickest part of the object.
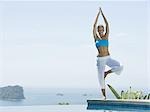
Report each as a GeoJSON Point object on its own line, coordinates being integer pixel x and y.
{"type": "Point", "coordinates": [101, 69]}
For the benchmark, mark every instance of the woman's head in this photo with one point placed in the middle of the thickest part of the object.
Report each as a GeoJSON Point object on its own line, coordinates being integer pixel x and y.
{"type": "Point", "coordinates": [100, 29]}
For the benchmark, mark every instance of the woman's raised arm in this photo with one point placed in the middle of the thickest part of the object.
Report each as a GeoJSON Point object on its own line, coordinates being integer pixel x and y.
{"type": "Point", "coordinates": [106, 22]}
{"type": "Point", "coordinates": [94, 26]}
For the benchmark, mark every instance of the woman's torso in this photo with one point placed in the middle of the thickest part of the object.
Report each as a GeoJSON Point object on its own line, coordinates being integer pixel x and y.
{"type": "Point", "coordinates": [103, 50]}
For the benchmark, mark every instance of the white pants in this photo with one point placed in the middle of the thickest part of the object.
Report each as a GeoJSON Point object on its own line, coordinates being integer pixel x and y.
{"type": "Point", "coordinates": [113, 64]}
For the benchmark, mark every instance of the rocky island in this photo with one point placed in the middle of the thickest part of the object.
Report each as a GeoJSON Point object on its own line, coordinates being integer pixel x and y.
{"type": "Point", "coordinates": [11, 92]}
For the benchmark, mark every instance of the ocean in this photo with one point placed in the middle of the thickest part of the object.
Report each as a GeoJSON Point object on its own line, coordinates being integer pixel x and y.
{"type": "Point", "coordinates": [54, 96]}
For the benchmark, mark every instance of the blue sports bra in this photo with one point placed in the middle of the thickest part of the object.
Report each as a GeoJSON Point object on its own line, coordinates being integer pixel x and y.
{"type": "Point", "coordinates": [102, 42]}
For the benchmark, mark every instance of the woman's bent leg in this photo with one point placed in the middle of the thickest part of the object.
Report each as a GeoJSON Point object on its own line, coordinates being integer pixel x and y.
{"type": "Point", "coordinates": [115, 66]}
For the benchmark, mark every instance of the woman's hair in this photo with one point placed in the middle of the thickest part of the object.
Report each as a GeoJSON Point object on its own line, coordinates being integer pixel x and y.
{"type": "Point", "coordinates": [100, 26]}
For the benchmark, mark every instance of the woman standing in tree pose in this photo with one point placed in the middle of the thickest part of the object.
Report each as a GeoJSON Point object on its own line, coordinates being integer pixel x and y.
{"type": "Point", "coordinates": [103, 57]}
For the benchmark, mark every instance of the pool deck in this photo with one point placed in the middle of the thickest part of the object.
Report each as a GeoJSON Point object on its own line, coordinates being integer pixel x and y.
{"type": "Point", "coordinates": [118, 104]}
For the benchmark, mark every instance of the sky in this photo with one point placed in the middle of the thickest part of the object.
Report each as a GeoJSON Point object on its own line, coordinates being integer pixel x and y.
{"type": "Point", "coordinates": [50, 44]}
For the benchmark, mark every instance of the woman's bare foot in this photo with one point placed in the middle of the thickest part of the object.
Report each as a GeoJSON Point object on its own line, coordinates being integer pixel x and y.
{"type": "Point", "coordinates": [107, 72]}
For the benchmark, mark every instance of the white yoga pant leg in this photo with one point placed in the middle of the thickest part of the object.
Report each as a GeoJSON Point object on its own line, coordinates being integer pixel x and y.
{"type": "Point", "coordinates": [101, 69]}
{"type": "Point", "coordinates": [114, 65]}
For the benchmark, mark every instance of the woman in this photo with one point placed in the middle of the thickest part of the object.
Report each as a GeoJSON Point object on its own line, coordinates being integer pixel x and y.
{"type": "Point", "coordinates": [103, 57]}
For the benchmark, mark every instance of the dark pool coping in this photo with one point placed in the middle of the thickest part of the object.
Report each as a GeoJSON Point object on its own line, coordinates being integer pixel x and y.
{"type": "Point", "coordinates": [118, 104]}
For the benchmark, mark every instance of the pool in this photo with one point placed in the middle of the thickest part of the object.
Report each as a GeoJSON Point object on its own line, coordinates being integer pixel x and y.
{"type": "Point", "coordinates": [119, 105]}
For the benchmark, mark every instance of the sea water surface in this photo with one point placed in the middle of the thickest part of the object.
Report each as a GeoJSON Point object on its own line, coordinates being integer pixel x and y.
{"type": "Point", "coordinates": [54, 96]}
